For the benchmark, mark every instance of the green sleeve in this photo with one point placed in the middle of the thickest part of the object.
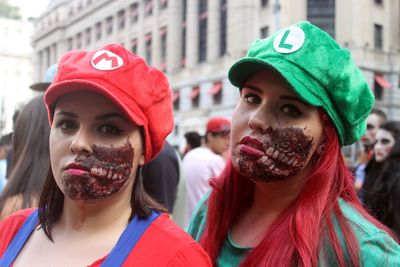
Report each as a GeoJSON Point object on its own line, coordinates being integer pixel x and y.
{"type": "Point", "coordinates": [379, 250]}
{"type": "Point", "coordinates": [197, 222]}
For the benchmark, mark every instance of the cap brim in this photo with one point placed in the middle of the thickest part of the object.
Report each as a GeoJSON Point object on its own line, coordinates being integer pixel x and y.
{"type": "Point", "coordinates": [41, 87]}
{"type": "Point", "coordinates": [241, 71]}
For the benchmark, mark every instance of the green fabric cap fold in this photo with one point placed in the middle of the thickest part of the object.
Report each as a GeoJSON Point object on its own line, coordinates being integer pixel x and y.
{"type": "Point", "coordinates": [320, 71]}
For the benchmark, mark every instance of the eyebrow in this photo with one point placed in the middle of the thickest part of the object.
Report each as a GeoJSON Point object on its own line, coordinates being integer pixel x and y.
{"type": "Point", "coordinates": [68, 114]}
{"type": "Point", "coordinates": [111, 115]}
{"type": "Point", "coordinates": [99, 117]}
{"type": "Point", "coordinates": [294, 98]}
{"type": "Point", "coordinates": [285, 97]}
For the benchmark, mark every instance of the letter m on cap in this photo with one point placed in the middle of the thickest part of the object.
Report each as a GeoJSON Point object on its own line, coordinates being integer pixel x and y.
{"type": "Point", "coordinates": [106, 60]}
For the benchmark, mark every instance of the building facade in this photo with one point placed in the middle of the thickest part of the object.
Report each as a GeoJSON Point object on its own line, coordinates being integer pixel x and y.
{"type": "Point", "coordinates": [16, 68]}
{"type": "Point", "coordinates": [195, 41]}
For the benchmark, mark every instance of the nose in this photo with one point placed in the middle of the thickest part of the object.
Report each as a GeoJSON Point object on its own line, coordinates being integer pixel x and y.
{"type": "Point", "coordinates": [81, 143]}
{"type": "Point", "coordinates": [261, 119]}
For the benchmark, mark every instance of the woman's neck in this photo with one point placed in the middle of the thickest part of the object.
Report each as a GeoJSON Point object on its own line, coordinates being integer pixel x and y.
{"type": "Point", "coordinates": [269, 200]}
{"type": "Point", "coordinates": [275, 196]}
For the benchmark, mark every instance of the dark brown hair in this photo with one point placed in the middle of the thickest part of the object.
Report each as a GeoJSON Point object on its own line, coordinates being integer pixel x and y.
{"type": "Point", "coordinates": [31, 154]}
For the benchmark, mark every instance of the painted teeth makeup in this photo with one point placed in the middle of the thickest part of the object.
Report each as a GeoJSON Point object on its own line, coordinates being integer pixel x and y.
{"type": "Point", "coordinates": [110, 168]}
{"type": "Point", "coordinates": [286, 152]}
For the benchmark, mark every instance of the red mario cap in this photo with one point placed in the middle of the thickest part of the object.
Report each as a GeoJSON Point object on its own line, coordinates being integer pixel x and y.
{"type": "Point", "coordinates": [216, 125]}
{"type": "Point", "coordinates": [141, 91]}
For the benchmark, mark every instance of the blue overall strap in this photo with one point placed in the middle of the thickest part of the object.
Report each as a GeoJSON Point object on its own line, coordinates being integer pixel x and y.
{"type": "Point", "coordinates": [19, 240]}
{"type": "Point", "coordinates": [128, 240]}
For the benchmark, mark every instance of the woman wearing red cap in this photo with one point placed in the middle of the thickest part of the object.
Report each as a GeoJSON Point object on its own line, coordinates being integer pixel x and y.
{"type": "Point", "coordinates": [286, 197]}
{"type": "Point", "coordinates": [103, 108]}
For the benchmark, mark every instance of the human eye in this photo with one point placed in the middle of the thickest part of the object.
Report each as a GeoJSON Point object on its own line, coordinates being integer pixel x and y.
{"type": "Point", "coordinates": [385, 141]}
{"type": "Point", "coordinates": [291, 110]}
{"type": "Point", "coordinates": [66, 125]}
{"type": "Point", "coordinates": [251, 98]}
{"type": "Point", "coordinates": [370, 127]}
{"type": "Point", "coordinates": [109, 129]}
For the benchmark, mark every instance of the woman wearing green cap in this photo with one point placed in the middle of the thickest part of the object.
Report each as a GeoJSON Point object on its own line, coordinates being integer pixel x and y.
{"type": "Point", "coordinates": [286, 197]}
{"type": "Point", "coordinates": [104, 109]}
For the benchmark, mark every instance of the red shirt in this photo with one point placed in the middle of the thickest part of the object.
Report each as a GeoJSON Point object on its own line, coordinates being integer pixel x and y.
{"type": "Point", "coordinates": [163, 243]}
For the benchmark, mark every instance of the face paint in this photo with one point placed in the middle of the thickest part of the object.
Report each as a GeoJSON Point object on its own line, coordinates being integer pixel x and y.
{"type": "Point", "coordinates": [274, 155]}
{"type": "Point", "coordinates": [99, 175]}
{"type": "Point", "coordinates": [384, 144]}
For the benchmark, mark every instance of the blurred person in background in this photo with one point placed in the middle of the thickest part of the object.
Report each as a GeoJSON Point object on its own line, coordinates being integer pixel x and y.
{"type": "Point", "coordinates": [10, 152]}
{"type": "Point", "coordinates": [374, 120]}
{"type": "Point", "coordinates": [204, 162]}
{"type": "Point", "coordinates": [193, 140]}
{"type": "Point", "coordinates": [161, 177]}
{"type": "Point", "coordinates": [3, 162]}
{"type": "Point", "coordinates": [30, 160]}
{"type": "Point", "coordinates": [382, 186]}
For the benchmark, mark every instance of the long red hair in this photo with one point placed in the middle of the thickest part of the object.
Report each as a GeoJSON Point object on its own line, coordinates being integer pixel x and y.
{"type": "Point", "coordinates": [300, 230]}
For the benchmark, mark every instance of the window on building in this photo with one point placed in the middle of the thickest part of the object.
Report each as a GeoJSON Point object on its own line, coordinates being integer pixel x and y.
{"type": "Point", "coordinates": [322, 13]}
{"type": "Point", "coordinates": [195, 96]}
{"type": "Point", "coordinates": [378, 90]}
{"type": "Point", "coordinates": [54, 49]}
{"type": "Point", "coordinates": [378, 36]}
{"type": "Point", "coordinates": [134, 13]}
{"type": "Point", "coordinates": [264, 32]}
{"type": "Point", "coordinates": [79, 41]}
{"type": "Point", "coordinates": [109, 25]}
{"type": "Point", "coordinates": [70, 44]}
{"type": "Point", "coordinates": [203, 14]}
{"type": "Point", "coordinates": [148, 7]}
{"type": "Point", "coordinates": [264, 3]}
{"type": "Point", "coordinates": [163, 46]}
{"type": "Point", "coordinates": [98, 30]}
{"type": "Point", "coordinates": [223, 28]}
{"type": "Point", "coordinates": [121, 19]}
{"type": "Point", "coordinates": [147, 40]}
{"type": "Point", "coordinates": [176, 99]}
{"type": "Point", "coordinates": [378, 2]}
{"type": "Point", "coordinates": [88, 36]}
{"type": "Point", "coordinates": [134, 45]}
{"type": "Point", "coordinates": [380, 83]}
{"type": "Point", "coordinates": [80, 5]}
{"type": "Point", "coordinates": [216, 92]}
{"type": "Point", "coordinates": [183, 34]}
{"type": "Point", "coordinates": [163, 4]}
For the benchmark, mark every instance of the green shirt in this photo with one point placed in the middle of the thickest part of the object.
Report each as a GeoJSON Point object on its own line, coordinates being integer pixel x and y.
{"type": "Point", "coordinates": [377, 248]}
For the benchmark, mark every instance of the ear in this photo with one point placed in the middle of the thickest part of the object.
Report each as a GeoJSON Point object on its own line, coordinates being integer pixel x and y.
{"type": "Point", "coordinates": [141, 160]}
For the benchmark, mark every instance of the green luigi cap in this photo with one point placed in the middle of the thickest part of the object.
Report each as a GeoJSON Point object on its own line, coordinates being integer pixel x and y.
{"type": "Point", "coordinates": [321, 72]}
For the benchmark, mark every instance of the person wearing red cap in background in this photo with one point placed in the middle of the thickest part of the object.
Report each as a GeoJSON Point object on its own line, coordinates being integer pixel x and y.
{"type": "Point", "coordinates": [104, 109]}
{"type": "Point", "coordinates": [202, 163]}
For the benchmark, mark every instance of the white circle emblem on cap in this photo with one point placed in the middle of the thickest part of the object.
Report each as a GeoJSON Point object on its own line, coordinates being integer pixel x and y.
{"type": "Point", "coordinates": [289, 40]}
{"type": "Point", "coordinates": [106, 60]}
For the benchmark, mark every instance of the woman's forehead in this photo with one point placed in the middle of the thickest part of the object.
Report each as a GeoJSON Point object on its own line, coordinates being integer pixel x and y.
{"type": "Point", "coordinates": [86, 100]}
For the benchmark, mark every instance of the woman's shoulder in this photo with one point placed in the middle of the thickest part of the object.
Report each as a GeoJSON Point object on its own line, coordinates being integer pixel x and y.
{"type": "Point", "coordinates": [377, 247]}
{"type": "Point", "coordinates": [10, 226]}
{"type": "Point", "coordinates": [166, 244]}
{"type": "Point", "coordinates": [198, 220]}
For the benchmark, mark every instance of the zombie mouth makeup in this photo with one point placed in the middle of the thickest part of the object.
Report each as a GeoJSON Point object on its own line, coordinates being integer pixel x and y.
{"type": "Point", "coordinates": [99, 175]}
{"type": "Point", "coordinates": [273, 155]}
